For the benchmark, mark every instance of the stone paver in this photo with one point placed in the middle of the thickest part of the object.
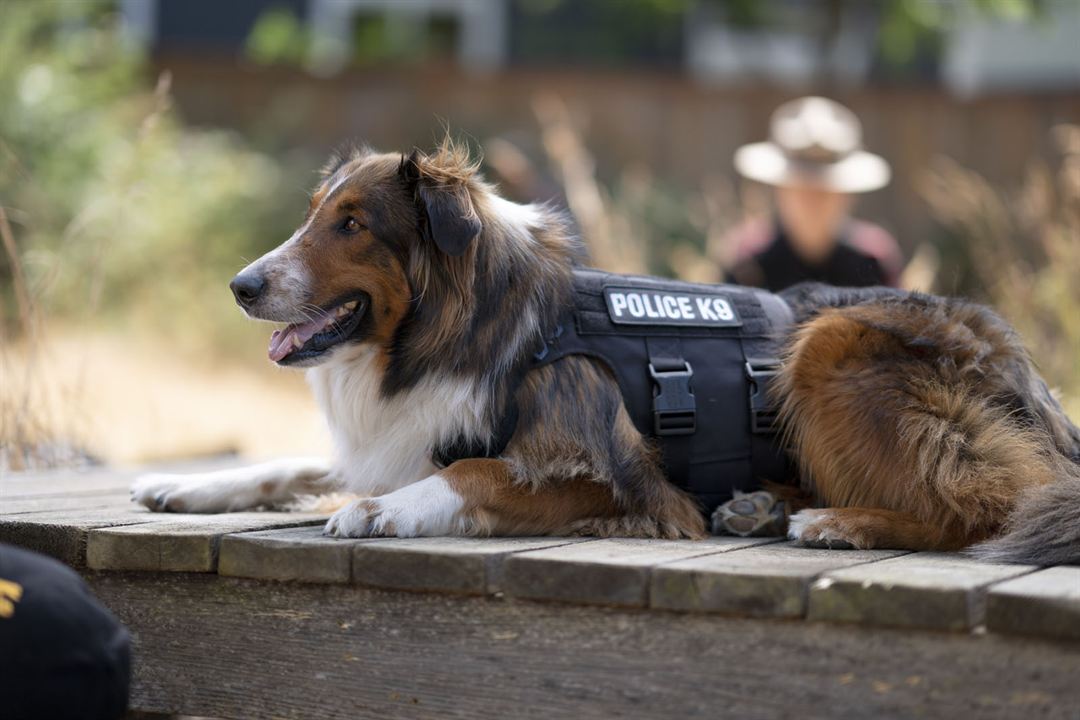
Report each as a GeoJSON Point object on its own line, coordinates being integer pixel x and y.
{"type": "Point", "coordinates": [63, 534]}
{"type": "Point", "coordinates": [942, 591]}
{"type": "Point", "coordinates": [767, 581]}
{"type": "Point", "coordinates": [301, 553]}
{"type": "Point", "coordinates": [1045, 603]}
{"type": "Point", "coordinates": [85, 520]}
{"type": "Point", "coordinates": [183, 543]}
{"type": "Point", "coordinates": [469, 565]}
{"type": "Point", "coordinates": [613, 571]}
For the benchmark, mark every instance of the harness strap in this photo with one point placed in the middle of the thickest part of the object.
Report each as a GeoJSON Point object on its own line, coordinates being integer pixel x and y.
{"type": "Point", "coordinates": [674, 407]}
{"type": "Point", "coordinates": [767, 460]}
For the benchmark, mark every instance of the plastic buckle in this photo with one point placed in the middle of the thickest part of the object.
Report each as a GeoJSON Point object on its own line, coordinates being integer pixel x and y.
{"type": "Point", "coordinates": [543, 352]}
{"type": "Point", "coordinates": [674, 409]}
{"type": "Point", "coordinates": [764, 416]}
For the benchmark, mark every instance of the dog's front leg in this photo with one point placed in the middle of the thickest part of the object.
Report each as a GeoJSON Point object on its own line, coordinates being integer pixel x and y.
{"type": "Point", "coordinates": [475, 497]}
{"type": "Point", "coordinates": [431, 506]}
{"type": "Point", "coordinates": [266, 484]}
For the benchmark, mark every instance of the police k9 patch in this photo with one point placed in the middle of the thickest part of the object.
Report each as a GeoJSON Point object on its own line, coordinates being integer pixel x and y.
{"type": "Point", "coordinates": [638, 306]}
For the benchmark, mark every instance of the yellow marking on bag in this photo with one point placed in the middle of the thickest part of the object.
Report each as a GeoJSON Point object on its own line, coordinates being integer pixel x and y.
{"type": "Point", "coordinates": [10, 593]}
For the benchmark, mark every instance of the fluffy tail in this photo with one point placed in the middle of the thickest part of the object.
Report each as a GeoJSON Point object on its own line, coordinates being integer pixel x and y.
{"type": "Point", "coordinates": [1044, 529]}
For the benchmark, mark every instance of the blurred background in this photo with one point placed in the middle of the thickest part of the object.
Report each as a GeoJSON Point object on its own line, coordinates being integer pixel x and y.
{"type": "Point", "coordinates": [150, 148]}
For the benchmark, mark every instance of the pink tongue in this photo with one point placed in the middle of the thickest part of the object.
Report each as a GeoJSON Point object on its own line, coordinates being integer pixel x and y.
{"type": "Point", "coordinates": [281, 342]}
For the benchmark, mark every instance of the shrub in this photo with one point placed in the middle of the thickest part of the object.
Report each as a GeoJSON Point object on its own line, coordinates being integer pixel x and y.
{"type": "Point", "coordinates": [117, 210]}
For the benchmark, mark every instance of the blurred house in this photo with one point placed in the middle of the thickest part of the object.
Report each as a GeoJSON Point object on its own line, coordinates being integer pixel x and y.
{"type": "Point", "coordinates": [672, 85]}
{"type": "Point", "coordinates": [985, 56]}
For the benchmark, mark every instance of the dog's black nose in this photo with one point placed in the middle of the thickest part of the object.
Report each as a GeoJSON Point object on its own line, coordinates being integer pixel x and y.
{"type": "Point", "coordinates": [247, 287]}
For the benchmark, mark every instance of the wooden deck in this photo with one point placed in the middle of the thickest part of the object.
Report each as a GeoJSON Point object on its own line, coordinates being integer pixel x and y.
{"type": "Point", "coordinates": [257, 615]}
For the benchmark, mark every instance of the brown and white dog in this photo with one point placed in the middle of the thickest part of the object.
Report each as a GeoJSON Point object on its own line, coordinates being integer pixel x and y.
{"type": "Point", "coordinates": [413, 294]}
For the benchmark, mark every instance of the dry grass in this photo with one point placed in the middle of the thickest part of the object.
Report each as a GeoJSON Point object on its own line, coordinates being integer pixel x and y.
{"type": "Point", "coordinates": [635, 224]}
{"type": "Point", "coordinates": [29, 435]}
{"type": "Point", "coordinates": [134, 399]}
{"type": "Point", "coordinates": [116, 244]}
{"type": "Point", "coordinates": [1024, 246]}
{"type": "Point", "coordinates": [71, 396]}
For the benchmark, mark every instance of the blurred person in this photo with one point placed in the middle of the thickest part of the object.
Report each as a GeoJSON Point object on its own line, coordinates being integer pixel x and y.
{"type": "Point", "coordinates": [62, 655]}
{"type": "Point", "coordinates": [815, 162]}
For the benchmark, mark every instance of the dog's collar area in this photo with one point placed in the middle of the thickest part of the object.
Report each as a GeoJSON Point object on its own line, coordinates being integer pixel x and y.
{"type": "Point", "coordinates": [464, 447]}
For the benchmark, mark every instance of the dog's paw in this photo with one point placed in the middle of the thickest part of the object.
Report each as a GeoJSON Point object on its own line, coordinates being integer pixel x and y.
{"type": "Point", "coordinates": [360, 519]}
{"type": "Point", "coordinates": [428, 507]}
{"type": "Point", "coordinates": [756, 514]}
{"type": "Point", "coordinates": [817, 529]}
{"type": "Point", "coordinates": [162, 492]}
{"type": "Point", "coordinates": [159, 492]}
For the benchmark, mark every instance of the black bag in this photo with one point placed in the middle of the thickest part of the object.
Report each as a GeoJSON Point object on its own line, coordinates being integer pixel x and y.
{"type": "Point", "coordinates": [62, 655]}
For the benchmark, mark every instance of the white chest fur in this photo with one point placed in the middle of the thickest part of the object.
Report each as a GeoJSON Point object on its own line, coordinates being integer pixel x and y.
{"type": "Point", "coordinates": [383, 444]}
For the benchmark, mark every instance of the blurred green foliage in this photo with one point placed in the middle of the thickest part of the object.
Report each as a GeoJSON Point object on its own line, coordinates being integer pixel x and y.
{"type": "Point", "coordinates": [611, 33]}
{"type": "Point", "coordinates": [118, 211]}
{"type": "Point", "coordinates": [907, 34]}
{"type": "Point", "coordinates": [911, 27]}
{"type": "Point", "coordinates": [277, 37]}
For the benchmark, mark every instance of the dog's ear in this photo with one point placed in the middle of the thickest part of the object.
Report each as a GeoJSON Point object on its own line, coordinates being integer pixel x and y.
{"type": "Point", "coordinates": [448, 217]}
{"type": "Point", "coordinates": [451, 219]}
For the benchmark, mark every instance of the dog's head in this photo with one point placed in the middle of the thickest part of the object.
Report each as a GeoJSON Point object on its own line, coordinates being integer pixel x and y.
{"type": "Point", "coordinates": [379, 231]}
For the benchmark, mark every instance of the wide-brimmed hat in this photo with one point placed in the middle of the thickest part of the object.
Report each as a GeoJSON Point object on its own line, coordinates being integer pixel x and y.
{"type": "Point", "coordinates": [815, 141]}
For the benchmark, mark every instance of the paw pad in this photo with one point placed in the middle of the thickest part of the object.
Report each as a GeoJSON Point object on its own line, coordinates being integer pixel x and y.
{"type": "Point", "coordinates": [756, 514]}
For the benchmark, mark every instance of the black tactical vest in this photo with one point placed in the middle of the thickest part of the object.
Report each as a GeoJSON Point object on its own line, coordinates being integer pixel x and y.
{"type": "Point", "coordinates": [693, 362]}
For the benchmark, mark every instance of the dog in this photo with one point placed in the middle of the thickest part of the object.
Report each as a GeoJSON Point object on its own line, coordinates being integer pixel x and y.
{"type": "Point", "coordinates": [413, 294]}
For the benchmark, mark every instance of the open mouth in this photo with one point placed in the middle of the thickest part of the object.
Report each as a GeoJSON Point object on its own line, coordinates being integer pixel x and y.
{"type": "Point", "coordinates": [333, 325]}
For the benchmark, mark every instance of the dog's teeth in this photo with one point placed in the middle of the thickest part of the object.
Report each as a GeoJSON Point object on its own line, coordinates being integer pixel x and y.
{"type": "Point", "coordinates": [350, 305]}
{"type": "Point", "coordinates": [296, 342]}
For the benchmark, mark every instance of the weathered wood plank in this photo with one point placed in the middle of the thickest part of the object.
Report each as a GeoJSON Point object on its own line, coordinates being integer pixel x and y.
{"type": "Point", "coordinates": [613, 571]}
{"type": "Point", "coordinates": [63, 482]}
{"type": "Point", "coordinates": [226, 647]}
{"type": "Point", "coordinates": [449, 564]}
{"type": "Point", "coordinates": [942, 591]}
{"type": "Point", "coordinates": [184, 543]}
{"type": "Point", "coordinates": [768, 581]}
{"type": "Point", "coordinates": [103, 499]}
{"type": "Point", "coordinates": [66, 482]}
{"type": "Point", "coordinates": [1045, 603]}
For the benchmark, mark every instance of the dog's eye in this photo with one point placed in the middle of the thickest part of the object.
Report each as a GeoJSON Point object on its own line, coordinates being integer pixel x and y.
{"type": "Point", "coordinates": [351, 225]}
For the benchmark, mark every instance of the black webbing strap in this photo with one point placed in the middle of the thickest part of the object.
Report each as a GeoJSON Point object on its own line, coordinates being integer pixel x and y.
{"type": "Point", "coordinates": [767, 459]}
{"type": "Point", "coordinates": [764, 412]}
{"type": "Point", "coordinates": [674, 408]}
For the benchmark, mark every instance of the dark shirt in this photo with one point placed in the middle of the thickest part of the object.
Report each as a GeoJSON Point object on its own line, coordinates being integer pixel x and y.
{"type": "Point", "coordinates": [774, 264]}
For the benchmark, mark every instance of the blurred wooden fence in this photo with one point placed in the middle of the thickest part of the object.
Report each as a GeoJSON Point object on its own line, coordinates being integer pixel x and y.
{"type": "Point", "coordinates": [682, 130]}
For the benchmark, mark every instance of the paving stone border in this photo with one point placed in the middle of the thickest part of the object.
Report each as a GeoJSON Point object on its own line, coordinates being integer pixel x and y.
{"type": "Point", "coordinates": [758, 578]}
